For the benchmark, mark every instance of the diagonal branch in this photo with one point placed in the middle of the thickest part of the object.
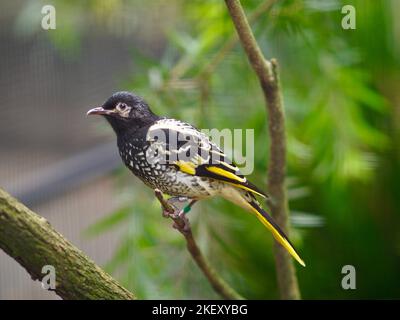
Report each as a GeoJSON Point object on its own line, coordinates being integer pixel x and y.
{"type": "Point", "coordinates": [267, 73]}
{"type": "Point", "coordinates": [219, 285]}
{"type": "Point", "coordinates": [185, 63]}
{"type": "Point", "coordinates": [33, 243]}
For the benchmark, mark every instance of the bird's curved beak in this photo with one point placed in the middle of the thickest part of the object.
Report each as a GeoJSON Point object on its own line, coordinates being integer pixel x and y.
{"type": "Point", "coordinates": [98, 110]}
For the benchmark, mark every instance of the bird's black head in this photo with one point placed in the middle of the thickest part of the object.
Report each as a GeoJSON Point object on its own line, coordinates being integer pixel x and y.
{"type": "Point", "coordinates": [125, 111]}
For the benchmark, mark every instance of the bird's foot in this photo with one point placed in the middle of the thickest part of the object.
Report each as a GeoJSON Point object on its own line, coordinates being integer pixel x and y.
{"type": "Point", "coordinates": [181, 222]}
{"type": "Point", "coordinates": [171, 202]}
{"type": "Point", "coordinates": [179, 201]}
{"type": "Point", "coordinates": [167, 213]}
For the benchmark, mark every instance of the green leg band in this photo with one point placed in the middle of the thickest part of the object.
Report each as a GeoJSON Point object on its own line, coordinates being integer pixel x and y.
{"type": "Point", "coordinates": [187, 209]}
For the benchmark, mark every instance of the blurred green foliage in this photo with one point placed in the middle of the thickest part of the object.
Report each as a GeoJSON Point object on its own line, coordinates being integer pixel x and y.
{"type": "Point", "coordinates": [342, 95]}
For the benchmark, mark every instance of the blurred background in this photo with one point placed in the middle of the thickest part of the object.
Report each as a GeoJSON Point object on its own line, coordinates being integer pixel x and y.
{"type": "Point", "coordinates": [342, 98]}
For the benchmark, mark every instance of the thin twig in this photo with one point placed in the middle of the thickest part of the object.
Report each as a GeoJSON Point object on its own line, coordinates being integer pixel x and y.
{"type": "Point", "coordinates": [185, 63]}
{"type": "Point", "coordinates": [229, 44]}
{"type": "Point", "coordinates": [219, 285]}
{"type": "Point", "coordinates": [267, 72]}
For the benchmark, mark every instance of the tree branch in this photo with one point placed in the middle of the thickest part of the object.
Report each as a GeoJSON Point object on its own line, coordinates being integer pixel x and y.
{"type": "Point", "coordinates": [267, 73]}
{"type": "Point", "coordinates": [219, 285]}
{"type": "Point", "coordinates": [33, 243]}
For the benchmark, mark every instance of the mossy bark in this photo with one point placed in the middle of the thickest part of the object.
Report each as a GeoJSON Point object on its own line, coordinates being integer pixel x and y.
{"type": "Point", "coordinates": [33, 242]}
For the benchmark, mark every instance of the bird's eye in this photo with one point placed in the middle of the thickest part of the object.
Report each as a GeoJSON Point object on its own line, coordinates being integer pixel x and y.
{"type": "Point", "coordinates": [121, 106]}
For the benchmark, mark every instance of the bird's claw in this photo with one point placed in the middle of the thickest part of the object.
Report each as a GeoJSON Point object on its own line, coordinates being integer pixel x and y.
{"type": "Point", "coordinates": [166, 213]}
{"type": "Point", "coordinates": [184, 226]}
{"type": "Point", "coordinates": [169, 210]}
{"type": "Point", "coordinates": [172, 201]}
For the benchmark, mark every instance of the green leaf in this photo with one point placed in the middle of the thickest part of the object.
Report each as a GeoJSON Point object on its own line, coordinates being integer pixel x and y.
{"type": "Point", "coordinates": [108, 222]}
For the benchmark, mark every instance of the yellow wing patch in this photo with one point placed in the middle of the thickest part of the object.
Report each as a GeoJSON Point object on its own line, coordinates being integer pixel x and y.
{"type": "Point", "coordinates": [190, 168]}
{"type": "Point", "coordinates": [226, 174]}
{"type": "Point", "coordinates": [186, 167]}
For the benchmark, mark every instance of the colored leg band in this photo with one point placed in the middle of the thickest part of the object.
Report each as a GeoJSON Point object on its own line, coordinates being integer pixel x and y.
{"type": "Point", "coordinates": [187, 209]}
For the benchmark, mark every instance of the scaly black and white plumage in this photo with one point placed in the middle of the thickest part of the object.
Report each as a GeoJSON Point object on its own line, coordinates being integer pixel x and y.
{"type": "Point", "coordinates": [176, 158]}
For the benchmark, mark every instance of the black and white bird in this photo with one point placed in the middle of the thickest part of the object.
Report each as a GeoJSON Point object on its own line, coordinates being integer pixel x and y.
{"type": "Point", "coordinates": [178, 159]}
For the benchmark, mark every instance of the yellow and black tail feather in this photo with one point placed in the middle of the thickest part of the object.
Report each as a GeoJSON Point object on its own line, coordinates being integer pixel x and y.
{"type": "Point", "coordinates": [277, 232]}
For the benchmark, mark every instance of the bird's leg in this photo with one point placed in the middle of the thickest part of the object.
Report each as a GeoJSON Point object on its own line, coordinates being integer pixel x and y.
{"type": "Point", "coordinates": [173, 200]}
{"type": "Point", "coordinates": [185, 226]}
{"type": "Point", "coordinates": [168, 209]}
{"type": "Point", "coordinates": [181, 222]}
{"type": "Point", "coordinates": [186, 209]}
